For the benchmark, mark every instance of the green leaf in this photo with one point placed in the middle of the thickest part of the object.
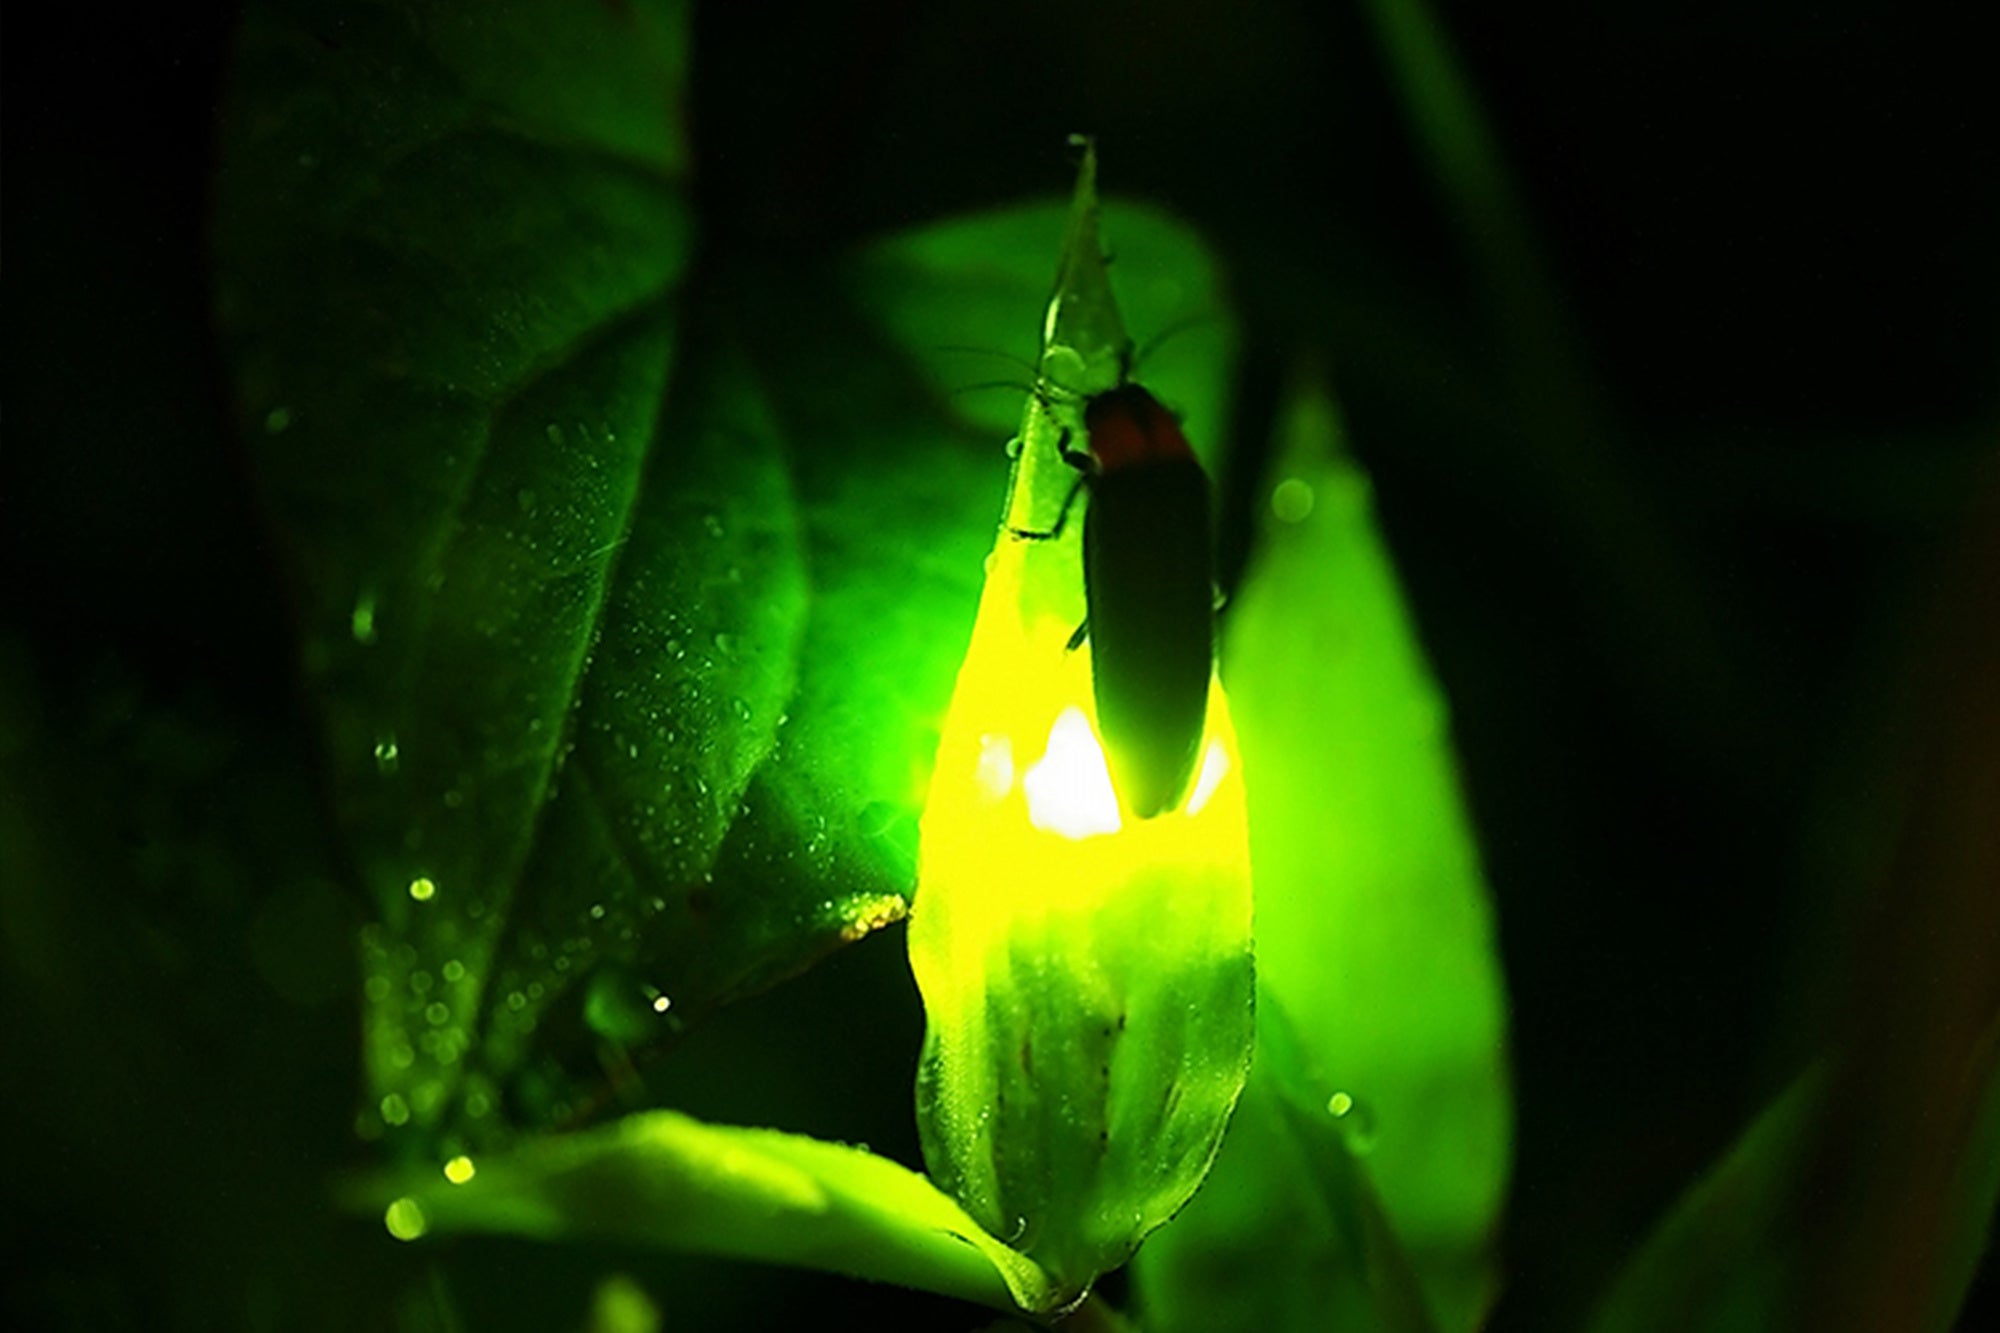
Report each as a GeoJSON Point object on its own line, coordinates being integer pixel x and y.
{"type": "Point", "coordinates": [963, 299]}
{"type": "Point", "coordinates": [1373, 930]}
{"type": "Point", "coordinates": [1289, 1232]}
{"type": "Point", "coordinates": [629, 602]}
{"type": "Point", "coordinates": [1086, 973]}
{"type": "Point", "coordinates": [1742, 1249]}
{"type": "Point", "coordinates": [1718, 1260]}
{"type": "Point", "coordinates": [663, 1179]}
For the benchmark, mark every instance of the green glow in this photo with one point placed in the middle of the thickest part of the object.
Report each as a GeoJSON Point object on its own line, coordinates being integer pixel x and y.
{"type": "Point", "coordinates": [1375, 950]}
{"type": "Point", "coordinates": [622, 1306]}
{"type": "Point", "coordinates": [1292, 501]}
{"type": "Point", "coordinates": [662, 1179]}
{"type": "Point", "coordinates": [460, 1169]}
{"type": "Point", "coordinates": [422, 889]}
{"type": "Point", "coordinates": [405, 1219]}
{"type": "Point", "coordinates": [361, 622]}
{"type": "Point", "coordinates": [1086, 974]}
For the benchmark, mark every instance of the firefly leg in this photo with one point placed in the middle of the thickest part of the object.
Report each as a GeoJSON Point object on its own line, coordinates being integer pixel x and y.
{"type": "Point", "coordinates": [1079, 459]}
{"type": "Point", "coordinates": [1076, 639]}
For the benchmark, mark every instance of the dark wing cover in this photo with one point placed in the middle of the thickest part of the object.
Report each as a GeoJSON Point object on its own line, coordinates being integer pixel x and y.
{"type": "Point", "coordinates": [1152, 624]}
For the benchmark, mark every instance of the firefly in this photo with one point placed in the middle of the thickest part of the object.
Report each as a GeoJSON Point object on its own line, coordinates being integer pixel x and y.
{"type": "Point", "coordinates": [1148, 592]}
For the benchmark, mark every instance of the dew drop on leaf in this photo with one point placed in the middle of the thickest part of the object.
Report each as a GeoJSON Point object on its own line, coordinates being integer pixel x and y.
{"type": "Point", "coordinates": [405, 1219]}
{"type": "Point", "coordinates": [1355, 1119]}
{"type": "Point", "coordinates": [361, 620]}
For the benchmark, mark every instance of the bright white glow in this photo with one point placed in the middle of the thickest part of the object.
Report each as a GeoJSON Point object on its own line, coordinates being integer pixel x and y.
{"type": "Point", "coordinates": [1214, 768]}
{"type": "Point", "coordinates": [1069, 789]}
{"type": "Point", "coordinates": [996, 767]}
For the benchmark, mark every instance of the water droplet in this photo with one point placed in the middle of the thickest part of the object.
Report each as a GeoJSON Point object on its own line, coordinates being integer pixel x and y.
{"type": "Point", "coordinates": [361, 620]}
{"type": "Point", "coordinates": [387, 755]}
{"type": "Point", "coordinates": [277, 420]}
{"type": "Point", "coordinates": [395, 1111]}
{"type": "Point", "coordinates": [1292, 500]}
{"type": "Point", "coordinates": [661, 1004]}
{"type": "Point", "coordinates": [554, 432]}
{"type": "Point", "coordinates": [724, 642]}
{"type": "Point", "coordinates": [516, 1001]}
{"type": "Point", "coordinates": [713, 524]}
{"type": "Point", "coordinates": [597, 911]}
{"type": "Point", "coordinates": [437, 1013]}
{"type": "Point", "coordinates": [405, 1219]}
{"type": "Point", "coordinates": [1356, 1121]}
{"type": "Point", "coordinates": [422, 889]}
{"type": "Point", "coordinates": [454, 970]}
{"type": "Point", "coordinates": [460, 1169]}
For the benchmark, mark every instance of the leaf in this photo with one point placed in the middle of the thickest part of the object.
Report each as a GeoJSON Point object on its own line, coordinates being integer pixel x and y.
{"type": "Point", "coordinates": [1373, 931]}
{"type": "Point", "coordinates": [628, 603]}
{"type": "Point", "coordinates": [1737, 1252]}
{"type": "Point", "coordinates": [937, 289]}
{"type": "Point", "coordinates": [663, 1179]}
{"type": "Point", "coordinates": [1315, 1251]}
{"type": "Point", "coordinates": [1086, 973]}
{"type": "Point", "coordinates": [1718, 1260]}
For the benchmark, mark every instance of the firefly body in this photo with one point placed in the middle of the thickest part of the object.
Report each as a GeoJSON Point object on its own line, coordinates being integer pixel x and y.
{"type": "Point", "coordinates": [1149, 596]}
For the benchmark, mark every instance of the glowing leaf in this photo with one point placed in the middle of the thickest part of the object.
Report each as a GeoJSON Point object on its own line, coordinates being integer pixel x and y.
{"type": "Point", "coordinates": [1086, 974]}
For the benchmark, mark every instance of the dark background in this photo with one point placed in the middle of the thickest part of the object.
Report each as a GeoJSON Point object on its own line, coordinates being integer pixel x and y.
{"type": "Point", "coordinates": [1675, 474]}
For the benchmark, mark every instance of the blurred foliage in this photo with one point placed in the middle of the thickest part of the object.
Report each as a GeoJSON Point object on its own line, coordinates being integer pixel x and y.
{"type": "Point", "coordinates": [1673, 374]}
{"type": "Point", "coordinates": [1375, 958]}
